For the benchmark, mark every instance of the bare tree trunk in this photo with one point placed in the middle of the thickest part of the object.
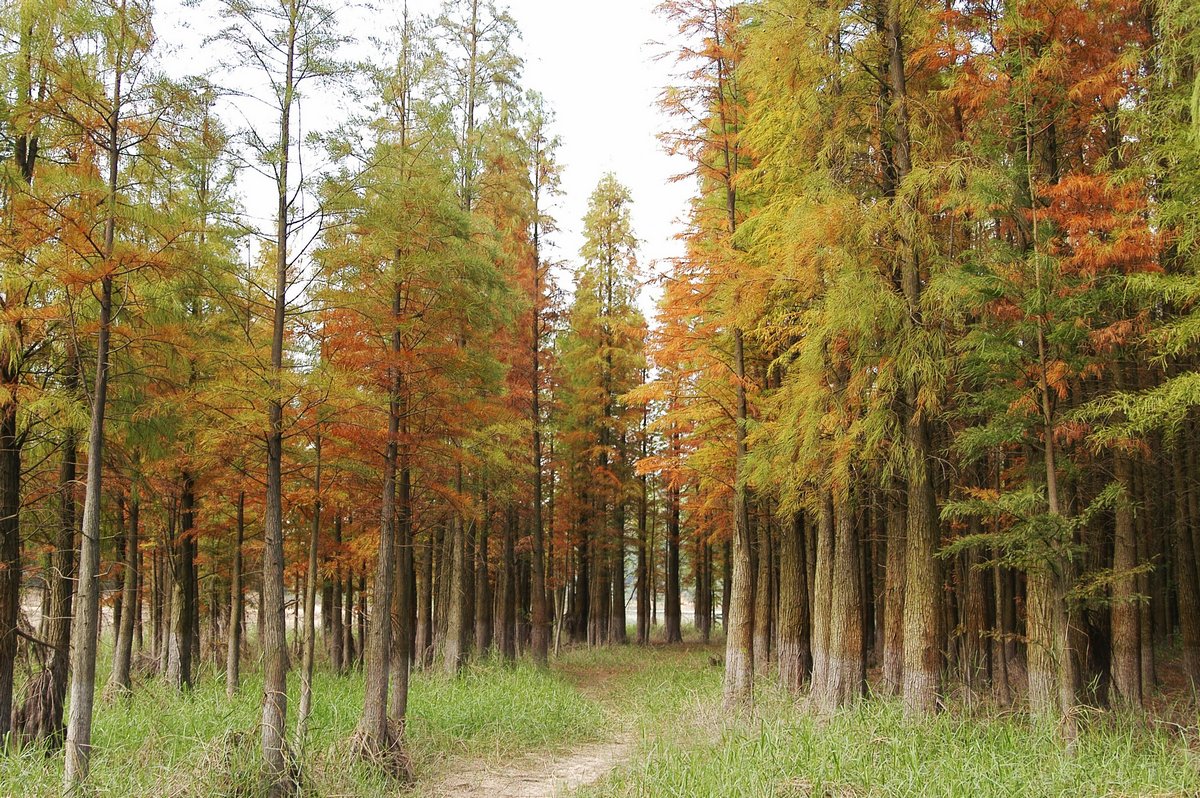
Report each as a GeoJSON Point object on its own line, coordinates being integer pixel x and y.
{"type": "Point", "coordinates": [845, 673]}
{"type": "Point", "coordinates": [40, 716]}
{"type": "Point", "coordinates": [309, 650]}
{"type": "Point", "coordinates": [893, 606]}
{"type": "Point", "coordinates": [118, 680]}
{"type": "Point", "coordinates": [763, 604]}
{"type": "Point", "coordinates": [87, 605]}
{"type": "Point", "coordinates": [822, 602]}
{"type": "Point", "coordinates": [1126, 631]}
{"type": "Point", "coordinates": [795, 650]}
{"type": "Point", "coordinates": [672, 614]}
{"type": "Point", "coordinates": [233, 651]}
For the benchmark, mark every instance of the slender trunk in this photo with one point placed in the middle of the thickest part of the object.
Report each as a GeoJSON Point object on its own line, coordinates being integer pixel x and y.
{"type": "Point", "coordinates": [87, 603]}
{"type": "Point", "coordinates": [1126, 627]}
{"type": "Point", "coordinates": [233, 651]}
{"type": "Point", "coordinates": [118, 680]}
{"type": "Point", "coordinates": [893, 603]}
{"type": "Point", "coordinates": [309, 651]}
{"type": "Point", "coordinates": [672, 614]}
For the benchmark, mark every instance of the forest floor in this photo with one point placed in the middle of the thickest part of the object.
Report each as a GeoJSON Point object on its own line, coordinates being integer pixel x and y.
{"type": "Point", "coordinates": [622, 722]}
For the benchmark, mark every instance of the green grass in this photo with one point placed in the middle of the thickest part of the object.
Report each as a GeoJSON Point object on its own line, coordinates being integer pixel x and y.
{"type": "Point", "coordinates": [781, 751]}
{"type": "Point", "coordinates": [200, 744]}
{"type": "Point", "coordinates": [161, 743]}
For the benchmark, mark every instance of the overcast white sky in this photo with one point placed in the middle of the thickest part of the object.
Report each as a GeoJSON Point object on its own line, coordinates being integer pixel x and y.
{"type": "Point", "coordinates": [596, 64]}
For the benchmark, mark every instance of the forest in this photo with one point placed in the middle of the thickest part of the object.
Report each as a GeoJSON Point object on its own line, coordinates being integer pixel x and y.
{"type": "Point", "coordinates": [323, 472]}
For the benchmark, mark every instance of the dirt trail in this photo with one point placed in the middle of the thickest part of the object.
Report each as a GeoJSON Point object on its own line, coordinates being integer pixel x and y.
{"type": "Point", "coordinates": [543, 774]}
{"type": "Point", "coordinates": [534, 776]}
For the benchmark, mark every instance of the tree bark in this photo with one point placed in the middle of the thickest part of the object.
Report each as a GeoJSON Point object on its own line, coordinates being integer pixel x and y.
{"type": "Point", "coordinates": [795, 649]}
{"type": "Point", "coordinates": [118, 679]}
{"type": "Point", "coordinates": [233, 650]}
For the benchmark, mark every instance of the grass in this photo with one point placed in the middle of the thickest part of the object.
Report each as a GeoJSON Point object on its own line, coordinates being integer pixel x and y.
{"type": "Point", "coordinates": [161, 743]}
{"type": "Point", "coordinates": [781, 751]}
{"type": "Point", "coordinates": [668, 699]}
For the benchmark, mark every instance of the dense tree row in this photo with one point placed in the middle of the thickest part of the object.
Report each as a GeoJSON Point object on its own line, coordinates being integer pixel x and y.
{"type": "Point", "coordinates": [351, 409]}
{"type": "Point", "coordinates": [927, 365]}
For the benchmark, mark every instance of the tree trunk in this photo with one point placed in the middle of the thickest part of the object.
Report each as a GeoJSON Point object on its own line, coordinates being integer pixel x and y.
{"type": "Point", "coordinates": [118, 679]}
{"type": "Point", "coordinates": [233, 650]}
{"type": "Point", "coordinates": [40, 716]}
{"type": "Point", "coordinates": [87, 604]}
{"type": "Point", "coordinates": [1126, 629]}
{"type": "Point", "coordinates": [845, 672]}
{"type": "Point", "coordinates": [892, 682]}
{"type": "Point", "coordinates": [795, 651]}
{"type": "Point", "coordinates": [672, 613]}
{"type": "Point", "coordinates": [309, 632]}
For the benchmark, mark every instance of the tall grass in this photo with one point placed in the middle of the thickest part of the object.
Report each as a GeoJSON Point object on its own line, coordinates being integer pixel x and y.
{"type": "Point", "coordinates": [779, 750]}
{"type": "Point", "coordinates": [163, 743]}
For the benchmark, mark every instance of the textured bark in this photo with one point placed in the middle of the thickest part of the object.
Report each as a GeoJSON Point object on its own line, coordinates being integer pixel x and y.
{"type": "Point", "coordinates": [739, 640]}
{"type": "Point", "coordinates": [405, 598]}
{"type": "Point", "coordinates": [795, 651]}
{"type": "Point", "coordinates": [118, 680]}
{"type": "Point", "coordinates": [484, 624]}
{"type": "Point", "coordinates": [87, 602]}
{"type": "Point", "coordinates": [453, 651]}
{"type": "Point", "coordinates": [822, 606]}
{"type": "Point", "coordinates": [642, 577]}
{"type": "Point", "coordinates": [763, 604]}
{"type": "Point", "coordinates": [337, 641]}
{"type": "Point", "coordinates": [374, 738]}
{"type": "Point", "coordinates": [233, 648]}
{"type": "Point", "coordinates": [892, 682]}
{"type": "Point", "coordinates": [40, 716]}
{"type": "Point", "coordinates": [1187, 585]}
{"type": "Point", "coordinates": [1126, 622]}
{"type": "Point", "coordinates": [10, 538]}
{"type": "Point", "coordinates": [845, 669]}
{"type": "Point", "coordinates": [309, 630]}
{"type": "Point", "coordinates": [183, 602]}
{"type": "Point", "coordinates": [672, 613]}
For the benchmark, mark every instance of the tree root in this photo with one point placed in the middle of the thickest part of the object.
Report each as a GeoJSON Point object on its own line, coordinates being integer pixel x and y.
{"type": "Point", "coordinates": [388, 754]}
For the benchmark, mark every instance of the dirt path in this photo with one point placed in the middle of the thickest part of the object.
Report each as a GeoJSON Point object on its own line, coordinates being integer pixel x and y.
{"type": "Point", "coordinates": [546, 774]}
{"type": "Point", "coordinates": [534, 776]}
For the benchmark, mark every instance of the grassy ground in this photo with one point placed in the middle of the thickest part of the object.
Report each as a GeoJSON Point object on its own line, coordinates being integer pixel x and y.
{"type": "Point", "coordinates": [690, 747]}
{"type": "Point", "coordinates": [159, 743]}
{"type": "Point", "coordinates": [666, 698]}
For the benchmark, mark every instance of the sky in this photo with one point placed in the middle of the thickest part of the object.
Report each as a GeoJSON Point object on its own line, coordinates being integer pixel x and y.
{"type": "Point", "coordinates": [597, 64]}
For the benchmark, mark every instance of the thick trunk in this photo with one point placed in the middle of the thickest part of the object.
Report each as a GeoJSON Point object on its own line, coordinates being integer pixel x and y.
{"type": "Point", "coordinates": [1187, 583]}
{"type": "Point", "coordinates": [845, 672]}
{"type": "Point", "coordinates": [405, 599]}
{"type": "Point", "coordinates": [183, 610]}
{"type": "Point", "coordinates": [763, 604]}
{"type": "Point", "coordinates": [40, 716]}
{"type": "Point", "coordinates": [739, 651]}
{"type": "Point", "coordinates": [1126, 623]}
{"type": "Point", "coordinates": [822, 607]}
{"type": "Point", "coordinates": [795, 651]}
{"type": "Point", "coordinates": [453, 642]}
